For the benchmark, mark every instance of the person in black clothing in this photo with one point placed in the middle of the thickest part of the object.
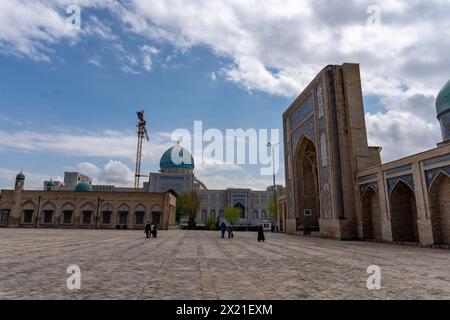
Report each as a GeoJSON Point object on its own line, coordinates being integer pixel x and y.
{"type": "Point", "coordinates": [155, 230]}
{"type": "Point", "coordinates": [223, 228]}
{"type": "Point", "coordinates": [261, 233]}
{"type": "Point", "coordinates": [147, 229]}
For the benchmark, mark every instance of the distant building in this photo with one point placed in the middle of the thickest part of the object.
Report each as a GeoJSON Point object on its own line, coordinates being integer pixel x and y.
{"type": "Point", "coordinates": [80, 205]}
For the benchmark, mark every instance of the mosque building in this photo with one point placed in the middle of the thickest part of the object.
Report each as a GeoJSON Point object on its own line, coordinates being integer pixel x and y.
{"type": "Point", "coordinates": [179, 178]}
{"type": "Point", "coordinates": [336, 183]}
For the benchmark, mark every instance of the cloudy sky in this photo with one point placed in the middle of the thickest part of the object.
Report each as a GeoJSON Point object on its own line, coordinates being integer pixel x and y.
{"type": "Point", "coordinates": [68, 96]}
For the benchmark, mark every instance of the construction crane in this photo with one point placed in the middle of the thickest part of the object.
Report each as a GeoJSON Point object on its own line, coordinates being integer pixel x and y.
{"type": "Point", "coordinates": [142, 132]}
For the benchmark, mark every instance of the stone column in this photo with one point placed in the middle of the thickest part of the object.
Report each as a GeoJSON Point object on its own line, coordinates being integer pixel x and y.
{"type": "Point", "coordinates": [423, 219]}
{"type": "Point", "coordinates": [383, 194]}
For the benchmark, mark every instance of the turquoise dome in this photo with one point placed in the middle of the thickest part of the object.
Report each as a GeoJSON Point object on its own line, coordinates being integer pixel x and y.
{"type": "Point", "coordinates": [83, 187]}
{"type": "Point", "coordinates": [443, 100]}
{"type": "Point", "coordinates": [20, 176]}
{"type": "Point", "coordinates": [50, 184]}
{"type": "Point", "coordinates": [176, 158]}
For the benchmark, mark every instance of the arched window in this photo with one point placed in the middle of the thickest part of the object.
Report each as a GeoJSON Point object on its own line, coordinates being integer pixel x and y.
{"type": "Point", "coordinates": [139, 214]}
{"type": "Point", "coordinates": [204, 216]}
{"type": "Point", "coordinates": [87, 210]}
{"type": "Point", "coordinates": [67, 211]}
{"type": "Point", "coordinates": [107, 210]}
{"type": "Point", "coordinates": [28, 211]}
{"type": "Point", "coordinates": [48, 212]}
{"type": "Point", "coordinates": [123, 214]}
{"type": "Point", "coordinates": [263, 215]}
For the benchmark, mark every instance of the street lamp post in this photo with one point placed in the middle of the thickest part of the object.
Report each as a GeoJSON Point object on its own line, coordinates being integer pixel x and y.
{"type": "Point", "coordinates": [269, 145]}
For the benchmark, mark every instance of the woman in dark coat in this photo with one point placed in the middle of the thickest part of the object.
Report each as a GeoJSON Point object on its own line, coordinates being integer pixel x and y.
{"type": "Point", "coordinates": [261, 233]}
{"type": "Point", "coordinates": [147, 229]}
{"type": "Point", "coordinates": [155, 230]}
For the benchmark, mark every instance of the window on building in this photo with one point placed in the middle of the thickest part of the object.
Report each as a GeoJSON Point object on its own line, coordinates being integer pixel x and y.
{"type": "Point", "coordinates": [123, 217]}
{"type": "Point", "coordinates": [28, 216]}
{"type": "Point", "coordinates": [106, 217]}
{"type": "Point", "coordinates": [67, 216]}
{"type": "Point", "coordinates": [4, 216]}
{"type": "Point", "coordinates": [140, 217]}
{"type": "Point", "coordinates": [156, 217]}
{"type": "Point", "coordinates": [87, 216]}
{"type": "Point", "coordinates": [48, 216]}
{"type": "Point", "coordinates": [263, 215]}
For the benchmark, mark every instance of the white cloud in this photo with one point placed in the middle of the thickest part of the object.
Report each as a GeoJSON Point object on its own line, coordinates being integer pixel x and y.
{"type": "Point", "coordinates": [88, 168]}
{"type": "Point", "coordinates": [275, 46]}
{"type": "Point", "coordinates": [96, 61]}
{"type": "Point", "coordinates": [400, 134]}
{"type": "Point", "coordinates": [116, 173]}
{"type": "Point", "coordinates": [106, 144]}
{"type": "Point", "coordinates": [147, 53]}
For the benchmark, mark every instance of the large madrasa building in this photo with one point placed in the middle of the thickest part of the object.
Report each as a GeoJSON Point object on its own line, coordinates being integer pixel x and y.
{"type": "Point", "coordinates": [335, 181]}
{"type": "Point", "coordinates": [77, 203]}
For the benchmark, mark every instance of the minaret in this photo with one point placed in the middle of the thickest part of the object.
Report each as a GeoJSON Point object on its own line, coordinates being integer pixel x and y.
{"type": "Point", "coordinates": [16, 208]}
{"type": "Point", "coordinates": [50, 185]}
{"type": "Point", "coordinates": [20, 181]}
{"type": "Point", "coordinates": [443, 111]}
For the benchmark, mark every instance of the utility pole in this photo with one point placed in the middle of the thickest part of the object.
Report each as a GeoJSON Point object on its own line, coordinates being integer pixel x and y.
{"type": "Point", "coordinates": [269, 145]}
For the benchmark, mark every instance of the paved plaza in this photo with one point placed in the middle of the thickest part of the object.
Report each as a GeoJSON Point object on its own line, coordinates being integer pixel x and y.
{"type": "Point", "coordinates": [121, 264]}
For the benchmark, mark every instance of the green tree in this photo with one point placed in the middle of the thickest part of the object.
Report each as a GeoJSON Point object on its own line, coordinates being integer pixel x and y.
{"type": "Point", "coordinates": [188, 204]}
{"type": "Point", "coordinates": [232, 214]}
{"type": "Point", "coordinates": [210, 223]}
{"type": "Point", "coordinates": [272, 208]}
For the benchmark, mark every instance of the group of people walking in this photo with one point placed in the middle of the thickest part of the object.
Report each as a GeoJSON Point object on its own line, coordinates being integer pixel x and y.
{"type": "Point", "coordinates": [229, 229]}
{"type": "Point", "coordinates": [226, 228]}
{"type": "Point", "coordinates": [151, 230]}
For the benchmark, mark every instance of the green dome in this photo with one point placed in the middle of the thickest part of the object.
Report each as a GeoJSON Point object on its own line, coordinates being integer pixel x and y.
{"type": "Point", "coordinates": [176, 158]}
{"type": "Point", "coordinates": [50, 184]}
{"type": "Point", "coordinates": [443, 100]}
{"type": "Point", "coordinates": [83, 187]}
{"type": "Point", "coordinates": [20, 176]}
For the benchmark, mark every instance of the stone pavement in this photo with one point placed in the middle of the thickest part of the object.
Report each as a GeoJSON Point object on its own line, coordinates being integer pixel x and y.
{"type": "Point", "coordinates": [122, 264]}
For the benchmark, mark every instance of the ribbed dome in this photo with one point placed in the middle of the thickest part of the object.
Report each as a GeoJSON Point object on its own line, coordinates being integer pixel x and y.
{"type": "Point", "coordinates": [176, 158]}
{"type": "Point", "coordinates": [20, 176]}
{"type": "Point", "coordinates": [83, 187]}
{"type": "Point", "coordinates": [443, 100]}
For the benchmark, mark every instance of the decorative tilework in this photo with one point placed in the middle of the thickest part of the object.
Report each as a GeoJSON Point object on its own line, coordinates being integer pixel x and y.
{"type": "Point", "coordinates": [302, 112]}
{"type": "Point", "coordinates": [439, 159]}
{"type": "Point", "coordinates": [398, 169]}
{"type": "Point", "coordinates": [320, 100]}
{"type": "Point", "coordinates": [408, 179]}
{"type": "Point", "coordinates": [367, 179]}
{"type": "Point", "coordinates": [307, 129]}
{"type": "Point", "coordinates": [433, 173]}
{"type": "Point", "coordinates": [364, 187]}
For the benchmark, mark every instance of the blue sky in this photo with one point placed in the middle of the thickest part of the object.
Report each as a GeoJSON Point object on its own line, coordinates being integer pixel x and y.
{"type": "Point", "coordinates": [68, 98]}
